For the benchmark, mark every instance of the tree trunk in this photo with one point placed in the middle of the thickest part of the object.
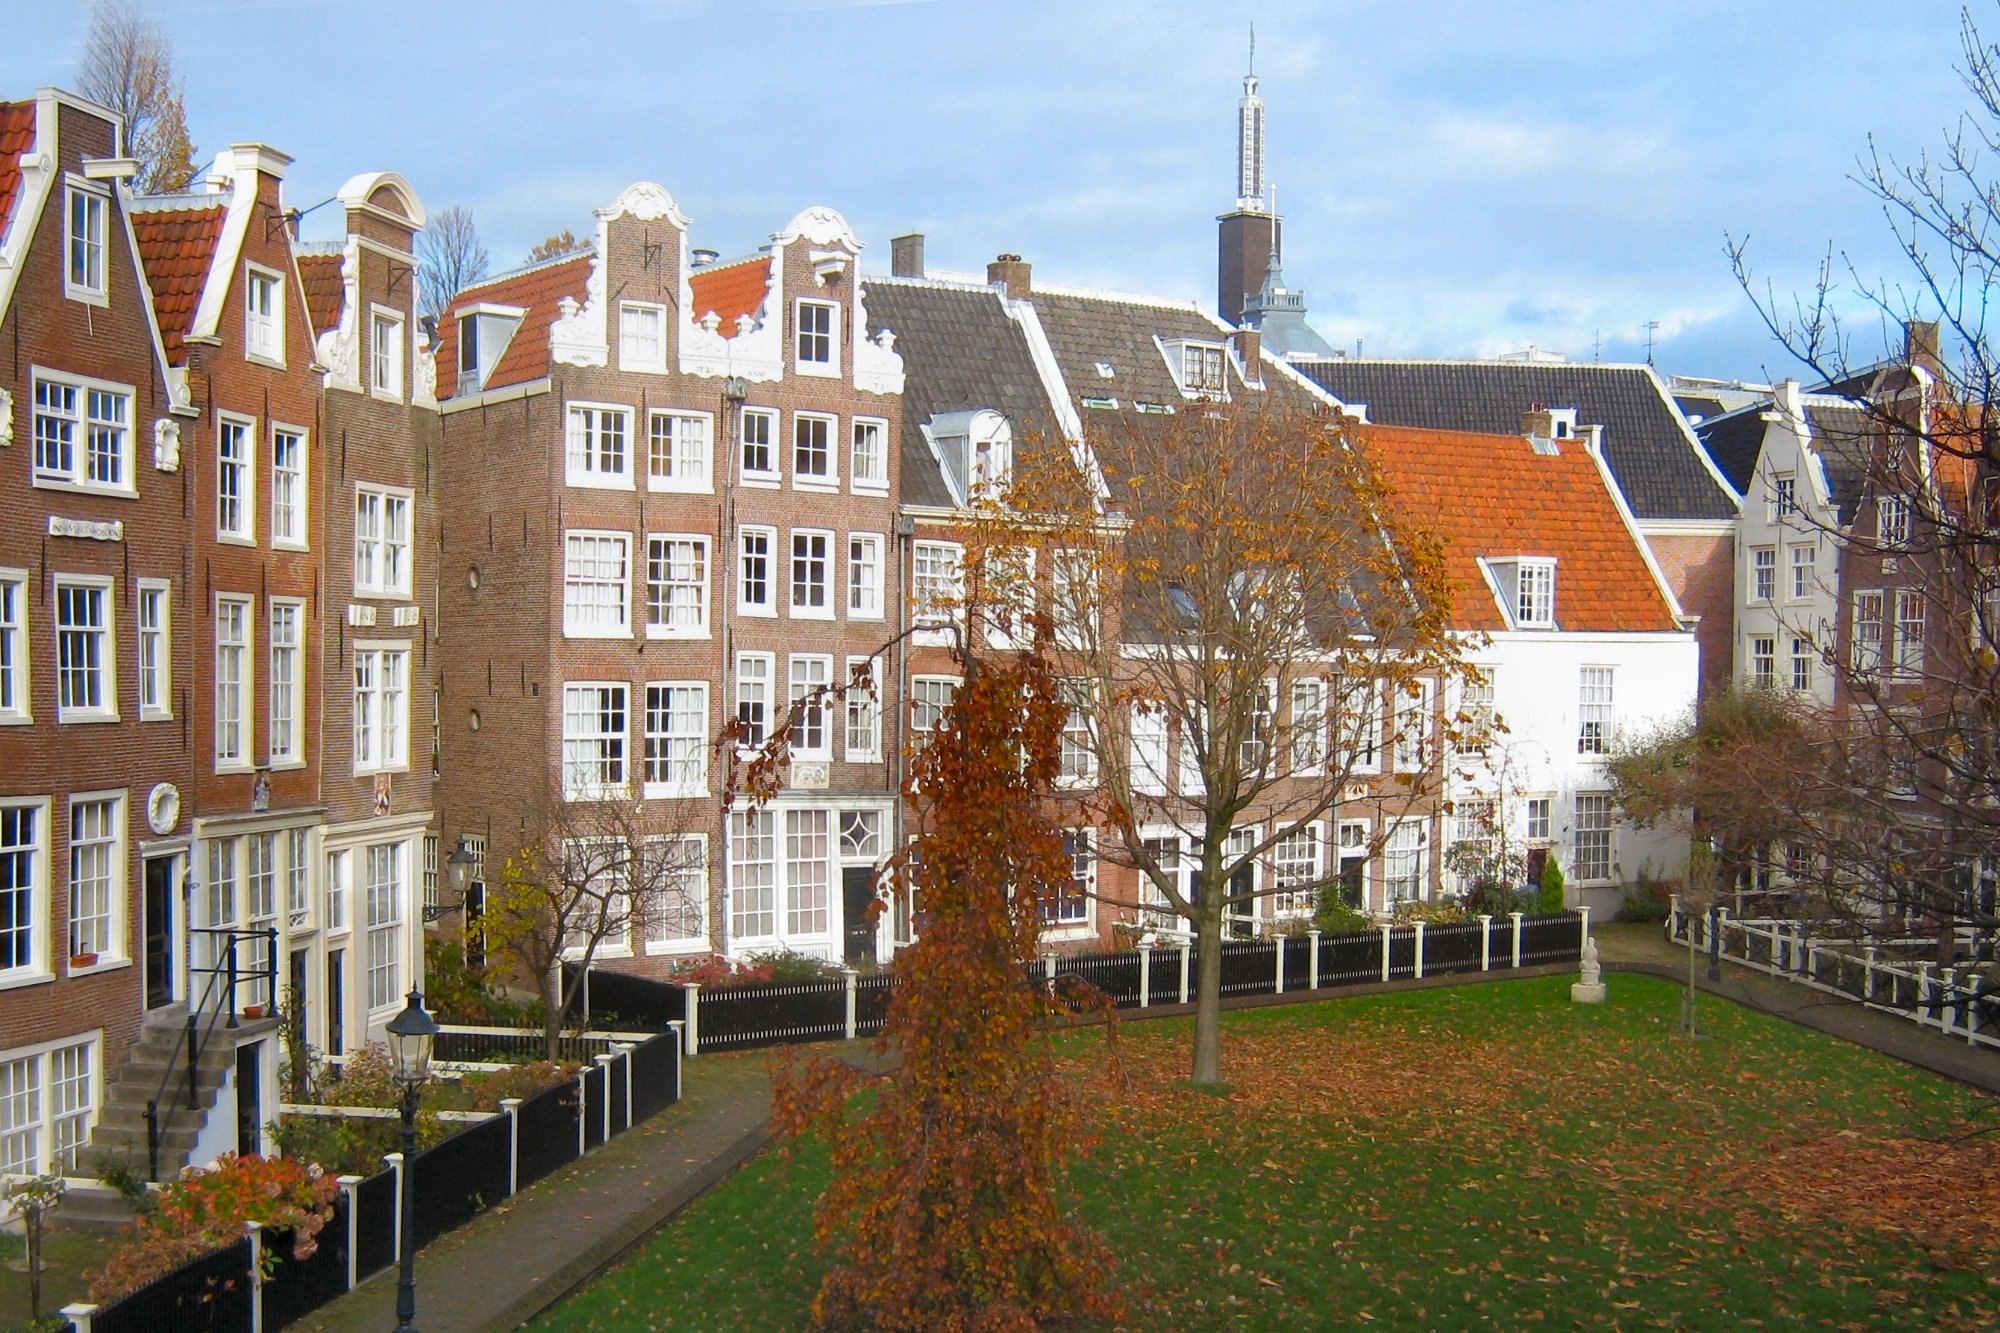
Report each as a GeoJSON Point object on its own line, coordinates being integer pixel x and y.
{"type": "Point", "coordinates": [1208, 989]}
{"type": "Point", "coordinates": [552, 1012]}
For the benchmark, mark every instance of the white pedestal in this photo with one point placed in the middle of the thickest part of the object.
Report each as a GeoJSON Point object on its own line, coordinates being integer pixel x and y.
{"type": "Point", "coordinates": [1587, 992]}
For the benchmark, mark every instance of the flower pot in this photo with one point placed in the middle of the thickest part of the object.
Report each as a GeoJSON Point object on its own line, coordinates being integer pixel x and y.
{"type": "Point", "coordinates": [82, 960]}
{"type": "Point", "coordinates": [253, 1011]}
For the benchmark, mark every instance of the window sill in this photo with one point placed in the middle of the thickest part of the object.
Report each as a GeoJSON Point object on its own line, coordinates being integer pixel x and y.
{"type": "Point", "coordinates": [811, 613]}
{"type": "Point", "coordinates": [373, 594]}
{"type": "Point", "coordinates": [102, 300]}
{"type": "Point", "coordinates": [37, 977]}
{"type": "Point", "coordinates": [660, 791]}
{"type": "Point", "coordinates": [876, 488]}
{"type": "Point", "coordinates": [105, 965]}
{"type": "Point", "coordinates": [277, 545]}
{"type": "Point", "coordinates": [392, 770]}
{"type": "Point", "coordinates": [823, 370]}
{"type": "Point", "coordinates": [656, 633]}
{"type": "Point", "coordinates": [761, 612]}
{"type": "Point", "coordinates": [19, 720]}
{"type": "Point", "coordinates": [264, 359]}
{"type": "Point", "coordinates": [691, 948]}
{"type": "Point", "coordinates": [285, 765]}
{"type": "Point", "coordinates": [224, 766]}
{"type": "Point", "coordinates": [1069, 930]}
{"type": "Point", "coordinates": [235, 539]}
{"type": "Point", "coordinates": [386, 395]}
{"type": "Point", "coordinates": [658, 487]}
{"type": "Point", "coordinates": [591, 481]}
{"type": "Point", "coordinates": [821, 485]}
{"type": "Point", "coordinates": [572, 633]}
{"type": "Point", "coordinates": [642, 367]}
{"type": "Point", "coordinates": [763, 480]}
{"type": "Point", "coordinates": [875, 615]}
{"type": "Point", "coordinates": [850, 757]}
{"type": "Point", "coordinates": [72, 716]}
{"type": "Point", "coordinates": [85, 488]}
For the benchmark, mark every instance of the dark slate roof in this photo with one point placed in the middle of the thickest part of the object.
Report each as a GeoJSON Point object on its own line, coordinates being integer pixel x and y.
{"type": "Point", "coordinates": [1734, 440]}
{"type": "Point", "coordinates": [1694, 405]}
{"type": "Point", "coordinates": [960, 352]}
{"type": "Point", "coordinates": [1846, 435]}
{"type": "Point", "coordinates": [1657, 464]}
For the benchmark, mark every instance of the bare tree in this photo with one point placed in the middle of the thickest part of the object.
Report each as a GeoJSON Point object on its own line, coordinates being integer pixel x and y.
{"type": "Point", "coordinates": [128, 65]}
{"type": "Point", "coordinates": [450, 258]}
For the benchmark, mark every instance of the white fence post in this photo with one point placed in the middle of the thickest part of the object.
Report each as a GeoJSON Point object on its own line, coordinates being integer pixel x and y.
{"type": "Point", "coordinates": [1485, 941]}
{"type": "Point", "coordinates": [624, 1051]}
{"type": "Point", "coordinates": [1420, 951]}
{"type": "Point", "coordinates": [511, 1108]}
{"type": "Point", "coordinates": [1049, 972]}
{"type": "Point", "coordinates": [1278, 986]}
{"type": "Point", "coordinates": [347, 1184]}
{"type": "Point", "coordinates": [254, 1232]}
{"type": "Point", "coordinates": [1385, 952]}
{"type": "Point", "coordinates": [1868, 972]}
{"type": "Point", "coordinates": [1185, 951]}
{"type": "Point", "coordinates": [691, 1032]}
{"type": "Point", "coordinates": [1312, 967]}
{"type": "Point", "coordinates": [849, 976]}
{"type": "Point", "coordinates": [1145, 950]}
{"type": "Point", "coordinates": [604, 1063]}
{"type": "Point", "coordinates": [1583, 919]}
{"type": "Point", "coordinates": [677, 1057]}
{"type": "Point", "coordinates": [582, 1105]}
{"type": "Point", "coordinates": [1517, 938]}
{"type": "Point", "coordinates": [395, 1161]}
{"type": "Point", "coordinates": [79, 1315]}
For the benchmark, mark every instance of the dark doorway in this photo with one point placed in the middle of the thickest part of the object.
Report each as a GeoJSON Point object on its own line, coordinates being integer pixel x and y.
{"type": "Point", "coordinates": [249, 1101]}
{"type": "Point", "coordinates": [1353, 873]}
{"type": "Point", "coordinates": [857, 893]}
{"type": "Point", "coordinates": [336, 1001]}
{"type": "Point", "coordinates": [1242, 908]}
{"type": "Point", "coordinates": [159, 931]}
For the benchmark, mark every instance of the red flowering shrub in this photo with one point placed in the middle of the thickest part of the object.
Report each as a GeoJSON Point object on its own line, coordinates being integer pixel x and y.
{"type": "Point", "coordinates": [205, 1211]}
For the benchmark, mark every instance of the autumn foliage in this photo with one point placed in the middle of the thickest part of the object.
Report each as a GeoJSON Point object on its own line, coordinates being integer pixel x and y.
{"type": "Point", "coordinates": [944, 1209]}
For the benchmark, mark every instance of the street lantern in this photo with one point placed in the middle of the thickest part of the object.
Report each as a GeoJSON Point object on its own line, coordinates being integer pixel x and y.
{"type": "Point", "coordinates": [410, 1036]}
{"type": "Point", "coordinates": [460, 863]}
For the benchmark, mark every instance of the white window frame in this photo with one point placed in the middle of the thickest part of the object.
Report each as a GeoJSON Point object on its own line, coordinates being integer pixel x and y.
{"type": "Point", "coordinates": [937, 590]}
{"type": "Point", "coordinates": [596, 605]}
{"type": "Point", "coordinates": [794, 585]}
{"type": "Point", "coordinates": [1148, 738]}
{"type": "Point", "coordinates": [1073, 596]}
{"type": "Point", "coordinates": [235, 479]}
{"type": "Point", "coordinates": [82, 429]}
{"type": "Point", "coordinates": [1870, 648]}
{"type": "Point", "coordinates": [1077, 757]}
{"type": "Point", "coordinates": [767, 604]}
{"type": "Point", "coordinates": [1308, 728]}
{"type": "Point", "coordinates": [666, 576]}
{"type": "Point", "coordinates": [1907, 633]}
{"type": "Point", "coordinates": [1804, 560]}
{"type": "Point", "coordinates": [805, 673]}
{"type": "Point", "coordinates": [1008, 594]}
{"type": "Point", "coordinates": [931, 696]}
{"type": "Point", "coordinates": [107, 916]}
{"type": "Point", "coordinates": [287, 652]}
{"type": "Point", "coordinates": [1416, 856]}
{"type": "Point", "coordinates": [809, 866]}
{"type": "Point", "coordinates": [828, 365]}
{"type": "Point", "coordinates": [86, 242]}
{"type": "Point", "coordinates": [1290, 869]}
{"type": "Point", "coordinates": [1535, 593]}
{"type": "Point", "coordinates": [1782, 500]}
{"type": "Point", "coordinates": [754, 696]}
{"type": "Point", "coordinates": [865, 599]}
{"type": "Point", "coordinates": [828, 479]}
{"type": "Point", "coordinates": [1596, 707]}
{"type": "Point", "coordinates": [1201, 369]}
{"type": "Point", "coordinates": [674, 763]}
{"type": "Point", "coordinates": [680, 451]}
{"type": "Point", "coordinates": [1803, 656]}
{"type": "Point", "coordinates": [1892, 521]}
{"type": "Point", "coordinates": [767, 426]}
{"type": "Point", "coordinates": [382, 916]}
{"type": "Point", "coordinates": [1072, 910]}
{"type": "Point", "coordinates": [861, 734]}
{"type": "Point", "coordinates": [632, 350]}
{"type": "Point", "coordinates": [588, 446]}
{"type": "Point", "coordinates": [1764, 661]}
{"type": "Point", "coordinates": [388, 352]}
{"type": "Point", "coordinates": [263, 320]}
{"type": "Point", "coordinates": [868, 469]}
{"type": "Point", "coordinates": [381, 707]}
{"type": "Point", "coordinates": [1581, 871]}
{"type": "Point", "coordinates": [105, 636]}
{"type": "Point", "coordinates": [49, 1094]}
{"type": "Point", "coordinates": [32, 964]}
{"type": "Point", "coordinates": [235, 682]}
{"type": "Point", "coordinates": [754, 896]}
{"type": "Point", "coordinates": [689, 867]}
{"type": "Point", "coordinates": [384, 563]}
{"type": "Point", "coordinates": [1764, 574]}
{"type": "Point", "coordinates": [1413, 735]}
{"type": "Point", "coordinates": [606, 750]}
{"type": "Point", "coordinates": [16, 698]}
{"type": "Point", "coordinates": [291, 497]}
{"type": "Point", "coordinates": [1189, 780]}
{"type": "Point", "coordinates": [1358, 739]}
{"type": "Point", "coordinates": [1538, 815]}
{"type": "Point", "coordinates": [338, 865]}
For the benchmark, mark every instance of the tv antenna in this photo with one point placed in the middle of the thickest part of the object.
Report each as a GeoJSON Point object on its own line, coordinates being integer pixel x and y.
{"type": "Point", "coordinates": [1652, 327]}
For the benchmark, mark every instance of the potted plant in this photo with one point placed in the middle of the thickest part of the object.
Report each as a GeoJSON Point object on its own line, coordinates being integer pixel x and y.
{"type": "Point", "coordinates": [78, 961]}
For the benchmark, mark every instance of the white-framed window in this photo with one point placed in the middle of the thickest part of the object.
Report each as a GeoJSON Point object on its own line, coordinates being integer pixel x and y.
{"type": "Point", "coordinates": [1782, 502]}
{"type": "Point", "coordinates": [1413, 727]}
{"type": "Point", "coordinates": [812, 575]}
{"type": "Point", "coordinates": [83, 434]}
{"type": "Point", "coordinates": [337, 864]}
{"type": "Point", "coordinates": [936, 587]}
{"type": "Point", "coordinates": [1803, 654]}
{"type": "Point", "coordinates": [1007, 601]}
{"type": "Point", "coordinates": [863, 739]}
{"type": "Point", "coordinates": [1474, 828]}
{"type": "Point", "coordinates": [814, 461]}
{"type": "Point", "coordinates": [1358, 743]}
{"type": "Point", "coordinates": [868, 461]}
{"type": "Point", "coordinates": [1538, 812]}
{"type": "Point", "coordinates": [1201, 369]}
{"type": "Point", "coordinates": [24, 888]}
{"type": "Point", "coordinates": [1073, 594]}
{"type": "Point", "coordinates": [233, 682]}
{"type": "Point", "coordinates": [381, 707]}
{"type": "Point", "coordinates": [677, 913]}
{"type": "Point", "coordinates": [1593, 836]}
{"type": "Point", "coordinates": [642, 336]}
{"type": "Point", "coordinates": [1480, 719]}
{"type": "Point", "coordinates": [385, 353]}
{"type": "Point", "coordinates": [382, 918]}
{"type": "Point", "coordinates": [754, 575]}
{"type": "Point", "coordinates": [382, 563]}
{"type": "Point", "coordinates": [1763, 573]}
{"type": "Point", "coordinates": [97, 875]}
{"type": "Point", "coordinates": [431, 878]}
{"type": "Point", "coordinates": [1406, 860]}
{"type": "Point", "coordinates": [753, 697]}
{"type": "Point", "coordinates": [1892, 520]}
{"type": "Point", "coordinates": [1596, 705]}
{"type": "Point", "coordinates": [86, 661]}
{"type": "Point", "coordinates": [1906, 650]}
{"type": "Point", "coordinates": [676, 754]}
{"type": "Point", "coordinates": [288, 697]}
{"type": "Point", "coordinates": [1868, 640]}
{"type": "Point", "coordinates": [1067, 905]}
{"type": "Point", "coordinates": [808, 871]}
{"type": "Point", "coordinates": [1764, 661]}
{"type": "Point", "coordinates": [1194, 743]}
{"type": "Point", "coordinates": [1535, 594]}
{"type": "Point", "coordinates": [597, 585]}
{"type": "Point", "coordinates": [47, 1105]}
{"type": "Point", "coordinates": [298, 878]}
{"type": "Point", "coordinates": [753, 874]}
{"type": "Point", "coordinates": [864, 576]}
{"type": "Point", "coordinates": [235, 480]}
{"type": "Point", "coordinates": [1308, 734]}
{"type": "Point", "coordinates": [263, 315]}
{"type": "Point", "coordinates": [83, 235]}
{"type": "Point", "coordinates": [1803, 581]}
{"type": "Point", "coordinates": [14, 705]}
{"type": "Point", "coordinates": [1295, 869]}
{"type": "Point", "coordinates": [808, 675]}
{"type": "Point", "coordinates": [1149, 750]}
{"type": "Point", "coordinates": [760, 460]}
{"type": "Point", "coordinates": [930, 698]}
{"type": "Point", "coordinates": [597, 448]}
{"type": "Point", "coordinates": [1253, 752]}
{"type": "Point", "coordinates": [677, 452]}
{"type": "Point", "coordinates": [818, 343]}
{"type": "Point", "coordinates": [596, 728]}
{"type": "Point", "coordinates": [1077, 750]}
{"type": "Point", "coordinates": [288, 488]}
{"type": "Point", "coordinates": [676, 586]}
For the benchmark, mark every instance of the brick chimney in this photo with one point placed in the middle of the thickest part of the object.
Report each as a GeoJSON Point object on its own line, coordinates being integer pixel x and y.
{"type": "Point", "coordinates": [1538, 421]}
{"type": "Point", "coordinates": [1010, 272]}
{"type": "Point", "coordinates": [1920, 345]}
{"type": "Point", "coordinates": [1249, 345]}
{"type": "Point", "coordinates": [906, 255]}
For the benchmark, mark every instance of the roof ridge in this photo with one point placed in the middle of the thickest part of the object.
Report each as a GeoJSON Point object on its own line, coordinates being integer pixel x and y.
{"type": "Point", "coordinates": [1467, 361]}
{"type": "Point", "coordinates": [737, 262]}
{"type": "Point", "coordinates": [525, 269]}
{"type": "Point", "coordinates": [1122, 298]}
{"type": "Point", "coordinates": [177, 203]}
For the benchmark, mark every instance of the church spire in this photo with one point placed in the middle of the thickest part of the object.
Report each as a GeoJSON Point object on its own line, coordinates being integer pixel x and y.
{"type": "Point", "coordinates": [1250, 139]}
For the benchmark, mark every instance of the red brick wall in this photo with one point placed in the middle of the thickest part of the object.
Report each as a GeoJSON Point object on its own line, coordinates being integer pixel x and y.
{"type": "Point", "coordinates": [1702, 573]}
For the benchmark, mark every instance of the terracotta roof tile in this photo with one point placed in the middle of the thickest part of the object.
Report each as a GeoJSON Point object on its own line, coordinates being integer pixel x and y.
{"type": "Point", "coordinates": [17, 136]}
{"type": "Point", "coordinates": [731, 290]}
{"type": "Point", "coordinates": [1494, 496]}
{"type": "Point", "coordinates": [320, 282]}
{"type": "Point", "coordinates": [537, 290]}
{"type": "Point", "coordinates": [176, 244]}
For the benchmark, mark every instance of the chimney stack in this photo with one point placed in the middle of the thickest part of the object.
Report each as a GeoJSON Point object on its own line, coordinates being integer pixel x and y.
{"type": "Point", "coordinates": [1249, 344]}
{"type": "Point", "coordinates": [1538, 422]}
{"type": "Point", "coordinates": [906, 255]}
{"type": "Point", "coordinates": [1010, 272]}
{"type": "Point", "coordinates": [1920, 345]}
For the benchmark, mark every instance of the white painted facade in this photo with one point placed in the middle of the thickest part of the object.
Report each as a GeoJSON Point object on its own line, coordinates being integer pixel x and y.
{"type": "Point", "coordinates": [1787, 558]}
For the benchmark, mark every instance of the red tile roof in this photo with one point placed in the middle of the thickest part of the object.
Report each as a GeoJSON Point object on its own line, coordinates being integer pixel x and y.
{"type": "Point", "coordinates": [176, 244]}
{"type": "Point", "coordinates": [1494, 496]}
{"type": "Point", "coordinates": [731, 290]}
{"type": "Point", "coordinates": [17, 136]}
{"type": "Point", "coordinates": [320, 283]}
{"type": "Point", "coordinates": [539, 291]}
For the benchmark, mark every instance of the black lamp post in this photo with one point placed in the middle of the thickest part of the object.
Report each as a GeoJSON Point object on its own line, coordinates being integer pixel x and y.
{"type": "Point", "coordinates": [410, 1036]}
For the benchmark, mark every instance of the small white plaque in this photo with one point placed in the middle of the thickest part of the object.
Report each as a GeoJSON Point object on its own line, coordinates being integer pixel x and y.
{"type": "Point", "coordinates": [811, 776]}
{"type": "Point", "coordinates": [88, 529]}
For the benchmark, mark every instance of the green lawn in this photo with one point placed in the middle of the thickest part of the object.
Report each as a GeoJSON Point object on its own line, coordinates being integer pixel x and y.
{"type": "Point", "coordinates": [1487, 1153]}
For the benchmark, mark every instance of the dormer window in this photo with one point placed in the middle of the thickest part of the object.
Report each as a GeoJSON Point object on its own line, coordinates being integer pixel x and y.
{"type": "Point", "coordinates": [1562, 423]}
{"type": "Point", "coordinates": [1527, 589]}
{"type": "Point", "coordinates": [483, 334]}
{"type": "Point", "coordinates": [84, 232]}
{"type": "Point", "coordinates": [263, 316]}
{"type": "Point", "coordinates": [818, 338]}
{"type": "Point", "coordinates": [1199, 368]}
{"type": "Point", "coordinates": [976, 450]}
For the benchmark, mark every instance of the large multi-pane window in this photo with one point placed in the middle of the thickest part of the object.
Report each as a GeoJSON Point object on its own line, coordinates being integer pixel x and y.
{"type": "Point", "coordinates": [594, 740]}
{"type": "Point", "coordinates": [47, 1106]}
{"type": "Point", "coordinates": [263, 315]}
{"type": "Point", "coordinates": [1595, 710]}
{"type": "Point", "coordinates": [381, 542]}
{"type": "Point", "coordinates": [1476, 708]}
{"type": "Point", "coordinates": [14, 645]}
{"type": "Point", "coordinates": [85, 690]}
{"type": "Point", "coordinates": [597, 589]}
{"type": "Point", "coordinates": [753, 874]}
{"type": "Point", "coordinates": [1073, 598]}
{"type": "Point", "coordinates": [232, 681]}
{"type": "Point", "coordinates": [381, 707]}
{"type": "Point", "coordinates": [1593, 835]}
{"type": "Point", "coordinates": [83, 434]}
{"type": "Point", "coordinates": [1077, 753]}
{"type": "Point", "coordinates": [758, 426]}
{"type": "Point", "coordinates": [1868, 631]}
{"type": "Point", "coordinates": [298, 878]}
{"type": "Point", "coordinates": [96, 875]}
{"type": "Point", "coordinates": [1475, 826]}
{"type": "Point", "coordinates": [677, 451]}
{"type": "Point", "coordinates": [1358, 724]}
{"type": "Point", "coordinates": [753, 571]}
{"type": "Point", "coordinates": [864, 576]}
{"type": "Point", "coordinates": [818, 348]}
{"type": "Point", "coordinates": [337, 864]}
{"type": "Point", "coordinates": [676, 587]}
{"type": "Point", "coordinates": [235, 480]}
{"type": "Point", "coordinates": [24, 884]}
{"type": "Point", "coordinates": [1802, 664]}
{"type": "Point", "coordinates": [1802, 572]}
{"type": "Point", "coordinates": [753, 697]}
{"type": "Point", "coordinates": [1295, 862]}
{"type": "Point", "coordinates": [1892, 520]}
{"type": "Point", "coordinates": [935, 582]}
{"type": "Point", "coordinates": [930, 699]}
{"type": "Point", "coordinates": [1539, 811]}
{"type": "Point", "coordinates": [1782, 502]}
{"type": "Point", "coordinates": [810, 676]}
{"type": "Point", "coordinates": [1906, 655]}
{"type": "Point", "coordinates": [385, 353]}
{"type": "Point", "coordinates": [288, 488]}
{"type": "Point", "coordinates": [1149, 750]}
{"type": "Point", "coordinates": [382, 919]}
{"type": "Point", "coordinates": [1764, 661]}
{"type": "Point", "coordinates": [1535, 594]}
{"type": "Point", "coordinates": [597, 445]}
{"type": "Point", "coordinates": [1068, 902]}
{"type": "Point", "coordinates": [810, 576]}
{"type": "Point", "coordinates": [870, 457]}
{"type": "Point", "coordinates": [1406, 859]}
{"type": "Point", "coordinates": [1413, 726]}
{"type": "Point", "coordinates": [1763, 573]}
{"type": "Point", "coordinates": [864, 710]}
{"type": "Point", "coordinates": [812, 448]}
{"type": "Point", "coordinates": [287, 681]}
{"type": "Point", "coordinates": [808, 870]}
{"type": "Point", "coordinates": [676, 754]}
{"type": "Point", "coordinates": [677, 880]}
{"type": "Point", "coordinates": [642, 337]}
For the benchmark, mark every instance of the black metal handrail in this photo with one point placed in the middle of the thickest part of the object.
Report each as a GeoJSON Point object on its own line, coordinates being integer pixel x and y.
{"type": "Point", "coordinates": [223, 979]}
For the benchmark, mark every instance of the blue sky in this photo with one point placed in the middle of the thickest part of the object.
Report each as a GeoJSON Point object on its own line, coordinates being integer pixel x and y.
{"type": "Point", "coordinates": [1458, 177]}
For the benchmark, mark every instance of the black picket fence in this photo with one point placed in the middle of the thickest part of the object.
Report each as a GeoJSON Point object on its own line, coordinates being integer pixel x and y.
{"type": "Point", "coordinates": [452, 1181]}
{"type": "Point", "coordinates": [851, 1005]}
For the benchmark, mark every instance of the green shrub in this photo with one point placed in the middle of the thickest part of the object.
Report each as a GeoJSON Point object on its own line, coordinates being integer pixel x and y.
{"type": "Point", "coordinates": [785, 965]}
{"type": "Point", "coordinates": [1550, 901]}
{"type": "Point", "coordinates": [485, 1092]}
{"type": "Point", "coordinates": [458, 992]}
{"type": "Point", "coordinates": [1334, 917]}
